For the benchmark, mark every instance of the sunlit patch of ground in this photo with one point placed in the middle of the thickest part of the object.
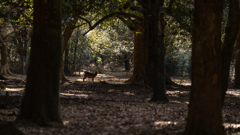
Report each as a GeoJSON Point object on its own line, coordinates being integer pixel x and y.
{"type": "Point", "coordinates": [182, 80]}
{"type": "Point", "coordinates": [110, 77]}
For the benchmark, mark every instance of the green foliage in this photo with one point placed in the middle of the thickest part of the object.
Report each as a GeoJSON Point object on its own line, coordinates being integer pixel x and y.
{"type": "Point", "coordinates": [17, 12]}
{"type": "Point", "coordinates": [178, 44]}
{"type": "Point", "coordinates": [113, 41]}
{"type": "Point", "coordinates": [106, 43]}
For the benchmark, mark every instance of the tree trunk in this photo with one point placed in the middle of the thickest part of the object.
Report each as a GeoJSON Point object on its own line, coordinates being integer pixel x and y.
{"type": "Point", "coordinates": [4, 61]}
{"type": "Point", "coordinates": [75, 50]}
{"type": "Point", "coordinates": [126, 62]}
{"type": "Point", "coordinates": [154, 39]}
{"type": "Point", "coordinates": [139, 56]}
{"type": "Point", "coordinates": [237, 64]}
{"type": "Point", "coordinates": [205, 108]}
{"type": "Point", "coordinates": [66, 62]}
{"type": "Point", "coordinates": [40, 104]}
{"type": "Point", "coordinates": [231, 32]}
{"type": "Point", "coordinates": [66, 36]}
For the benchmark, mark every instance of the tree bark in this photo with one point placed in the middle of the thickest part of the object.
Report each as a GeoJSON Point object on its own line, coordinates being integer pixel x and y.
{"type": "Point", "coordinates": [40, 103]}
{"type": "Point", "coordinates": [237, 64]}
{"type": "Point", "coordinates": [205, 108]}
{"type": "Point", "coordinates": [154, 40]}
{"type": "Point", "coordinates": [66, 36]}
{"type": "Point", "coordinates": [231, 32]}
{"type": "Point", "coordinates": [139, 55]}
{"type": "Point", "coordinates": [126, 62]}
{"type": "Point", "coordinates": [4, 61]}
{"type": "Point", "coordinates": [66, 62]}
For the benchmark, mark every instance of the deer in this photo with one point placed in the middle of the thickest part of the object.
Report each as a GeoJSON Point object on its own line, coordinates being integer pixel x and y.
{"type": "Point", "coordinates": [88, 74]}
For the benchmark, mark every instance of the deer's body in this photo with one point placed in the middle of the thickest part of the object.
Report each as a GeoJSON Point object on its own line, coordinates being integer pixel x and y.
{"type": "Point", "coordinates": [88, 74]}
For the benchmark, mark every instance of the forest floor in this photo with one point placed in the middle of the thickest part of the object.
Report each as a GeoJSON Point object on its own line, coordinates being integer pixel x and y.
{"type": "Point", "coordinates": [109, 106]}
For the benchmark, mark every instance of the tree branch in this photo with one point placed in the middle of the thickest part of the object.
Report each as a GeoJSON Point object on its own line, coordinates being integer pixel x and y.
{"type": "Point", "coordinates": [143, 4]}
{"type": "Point", "coordinates": [111, 15]}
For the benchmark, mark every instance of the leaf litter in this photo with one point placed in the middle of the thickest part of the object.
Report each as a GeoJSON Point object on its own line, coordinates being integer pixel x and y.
{"type": "Point", "coordinates": [113, 107]}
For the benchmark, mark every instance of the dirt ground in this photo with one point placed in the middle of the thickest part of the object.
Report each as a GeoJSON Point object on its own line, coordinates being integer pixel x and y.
{"type": "Point", "coordinates": [109, 106]}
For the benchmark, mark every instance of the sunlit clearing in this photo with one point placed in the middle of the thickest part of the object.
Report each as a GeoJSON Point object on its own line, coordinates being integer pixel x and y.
{"type": "Point", "coordinates": [76, 95]}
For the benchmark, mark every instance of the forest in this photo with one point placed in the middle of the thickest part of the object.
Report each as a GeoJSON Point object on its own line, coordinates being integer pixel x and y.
{"type": "Point", "coordinates": [120, 67]}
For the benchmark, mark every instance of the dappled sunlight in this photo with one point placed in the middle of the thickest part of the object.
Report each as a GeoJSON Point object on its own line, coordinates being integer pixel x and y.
{"type": "Point", "coordinates": [165, 123]}
{"type": "Point", "coordinates": [14, 89]}
{"type": "Point", "coordinates": [109, 77]}
{"type": "Point", "coordinates": [129, 93]}
{"type": "Point", "coordinates": [234, 92]}
{"type": "Point", "coordinates": [75, 95]}
{"type": "Point", "coordinates": [231, 125]}
{"type": "Point", "coordinates": [182, 81]}
{"type": "Point", "coordinates": [66, 122]}
{"type": "Point", "coordinates": [110, 104]}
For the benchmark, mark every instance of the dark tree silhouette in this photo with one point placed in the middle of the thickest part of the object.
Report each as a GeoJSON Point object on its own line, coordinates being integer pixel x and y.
{"type": "Point", "coordinates": [40, 103]}
{"type": "Point", "coordinates": [154, 40]}
{"type": "Point", "coordinates": [205, 108]}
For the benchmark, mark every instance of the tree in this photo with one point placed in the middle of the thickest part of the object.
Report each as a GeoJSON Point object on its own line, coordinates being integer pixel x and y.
{"type": "Point", "coordinates": [4, 35]}
{"type": "Point", "coordinates": [205, 108]}
{"type": "Point", "coordinates": [231, 32]}
{"type": "Point", "coordinates": [237, 64]}
{"type": "Point", "coordinates": [40, 103]}
{"type": "Point", "coordinates": [154, 39]}
{"type": "Point", "coordinates": [13, 15]}
{"type": "Point", "coordinates": [139, 58]}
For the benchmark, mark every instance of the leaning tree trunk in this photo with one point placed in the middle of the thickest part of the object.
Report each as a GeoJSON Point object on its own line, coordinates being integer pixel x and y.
{"type": "Point", "coordinates": [154, 39]}
{"type": "Point", "coordinates": [40, 103]}
{"type": "Point", "coordinates": [231, 32]}
{"type": "Point", "coordinates": [205, 108]}
{"type": "Point", "coordinates": [66, 36]}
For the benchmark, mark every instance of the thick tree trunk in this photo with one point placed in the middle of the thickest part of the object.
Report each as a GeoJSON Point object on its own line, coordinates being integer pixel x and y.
{"type": "Point", "coordinates": [139, 56]}
{"type": "Point", "coordinates": [231, 32]}
{"type": "Point", "coordinates": [205, 108]}
{"type": "Point", "coordinates": [40, 103]}
{"type": "Point", "coordinates": [154, 39]}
